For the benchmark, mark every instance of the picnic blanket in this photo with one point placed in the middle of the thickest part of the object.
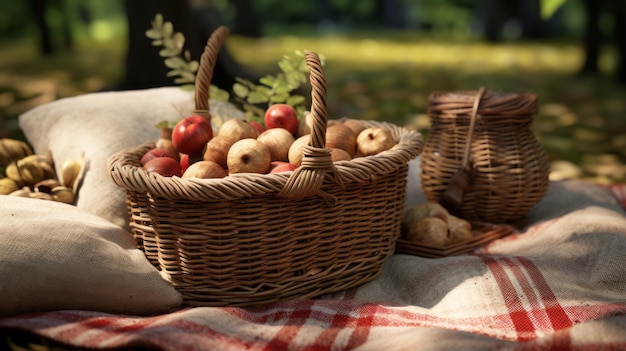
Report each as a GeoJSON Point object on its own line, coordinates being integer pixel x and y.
{"type": "Point", "coordinates": [558, 283]}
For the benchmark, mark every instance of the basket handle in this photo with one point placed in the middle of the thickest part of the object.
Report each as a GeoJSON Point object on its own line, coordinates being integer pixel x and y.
{"type": "Point", "coordinates": [307, 179]}
{"type": "Point", "coordinates": [205, 71]}
{"type": "Point", "coordinates": [460, 181]}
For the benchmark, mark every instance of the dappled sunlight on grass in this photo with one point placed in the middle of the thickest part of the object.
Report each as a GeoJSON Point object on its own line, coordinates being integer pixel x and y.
{"type": "Point", "coordinates": [581, 121]}
{"type": "Point", "coordinates": [390, 80]}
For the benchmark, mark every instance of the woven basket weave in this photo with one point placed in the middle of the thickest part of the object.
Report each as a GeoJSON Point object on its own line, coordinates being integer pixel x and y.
{"type": "Point", "coordinates": [251, 239]}
{"type": "Point", "coordinates": [486, 136]}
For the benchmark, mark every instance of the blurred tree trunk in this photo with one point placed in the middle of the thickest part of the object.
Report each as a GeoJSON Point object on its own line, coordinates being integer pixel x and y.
{"type": "Point", "coordinates": [619, 35]}
{"type": "Point", "coordinates": [246, 22]}
{"type": "Point", "coordinates": [145, 68]}
{"type": "Point", "coordinates": [392, 12]}
{"type": "Point", "coordinates": [492, 19]}
{"type": "Point", "coordinates": [530, 14]}
{"type": "Point", "coordinates": [592, 39]}
{"type": "Point", "coordinates": [38, 11]}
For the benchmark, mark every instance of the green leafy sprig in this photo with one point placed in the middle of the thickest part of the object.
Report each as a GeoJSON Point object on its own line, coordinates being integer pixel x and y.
{"type": "Point", "coordinates": [254, 98]}
{"type": "Point", "coordinates": [178, 61]}
{"type": "Point", "coordinates": [278, 89]}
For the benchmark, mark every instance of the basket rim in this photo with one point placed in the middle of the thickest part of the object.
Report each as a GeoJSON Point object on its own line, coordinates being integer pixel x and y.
{"type": "Point", "coordinates": [125, 172]}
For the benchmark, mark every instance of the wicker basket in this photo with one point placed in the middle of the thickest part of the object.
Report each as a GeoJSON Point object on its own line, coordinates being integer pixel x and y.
{"type": "Point", "coordinates": [251, 239]}
{"type": "Point", "coordinates": [481, 159]}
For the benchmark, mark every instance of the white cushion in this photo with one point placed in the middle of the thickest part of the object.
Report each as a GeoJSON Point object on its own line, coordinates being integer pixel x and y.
{"type": "Point", "coordinates": [101, 124]}
{"type": "Point", "coordinates": [56, 256]}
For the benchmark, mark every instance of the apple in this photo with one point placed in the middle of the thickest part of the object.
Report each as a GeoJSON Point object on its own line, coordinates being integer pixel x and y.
{"type": "Point", "coordinates": [297, 148]}
{"type": "Point", "coordinates": [281, 166]}
{"type": "Point", "coordinates": [249, 156]}
{"type": "Point", "coordinates": [205, 169]}
{"type": "Point", "coordinates": [187, 160]}
{"type": "Point", "coordinates": [339, 136]}
{"type": "Point", "coordinates": [278, 140]}
{"type": "Point", "coordinates": [305, 124]}
{"type": "Point", "coordinates": [164, 166]}
{"type": "Point", "coordinates": [339, 155]}
{"type": "Point", "coordinates": [217, 150]}
{"type": "Point", "coordinates": [191, 134]}
{"type": "Point", "coordinates": [258, 126]}
{"type": "Point", "coordinates": [281, 116]}
{"type": "Point", "coordinates": [165, 141]}
{"type": "Point", "coordinates": [356, 125]}
{"type": "Point", "coordinates": [374, 140]}
{"type": "Point", "coordinates": [237, 129]}
{"type": "Point", "coordinates": [158, 152]}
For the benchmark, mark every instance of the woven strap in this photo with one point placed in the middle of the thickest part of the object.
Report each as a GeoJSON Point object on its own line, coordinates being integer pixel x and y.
{"type": "Point", "coordinates": [465, 165]}
{"type": "Point", "coordinates": [307, 179]}
{"type": "Point", "coordinates": [205, 71]}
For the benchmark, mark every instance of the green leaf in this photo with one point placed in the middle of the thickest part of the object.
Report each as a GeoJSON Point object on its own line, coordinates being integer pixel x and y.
{"type": "Point", "coordinates": [268, 80]}
{"type": "Point", "coordinates": [158, 21]}
{"type": "Point", "coordinates": [174, 72]}
{"type": "Point", "coordinates": [182, 80]}
{"type": "Point", "coordinates": [179, 40]}
{"type": "Point", "coordinates": [166, 52]}
{"type": "Point", "coordinates": [245, 82]}
{"type": "Point", "coordinates": [167, 30]}
{"type": "Point", "coordinates": [279, 98]}
{"type": "Point", "coordinates": [549, 8]}
{"type": "Point", "coordinates": [154, 33]}
{"type": "Point", "coordinates": [188, 75]}
{"type": "Point", "coordinates": [282, 86]}
{"type": "Point", "coordinates": [295, 78]}
{"type": "Point", "coordinates": [240, 90]}
{"type": "Point", "coordinates": [295, 100]}
{"type": "Point", "coordinates": [261, 89]}
{"type": "Point", "coordinates": [175, 62]}
{"type": "Point", "coordinates": [193, 66]}
{"type": "Point", "coordinates": [162, 124]}
{"type": "Point", "coordinates": [218, 94]}
{"type": "Point", "coordinates": [257, 98]}
{"type": "Point", "coordinates": [286, 65]}
{"type": "Point", "coordinates": [188, 87]}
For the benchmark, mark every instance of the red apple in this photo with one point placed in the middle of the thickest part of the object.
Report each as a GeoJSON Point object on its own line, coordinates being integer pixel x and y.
{"type": "Point", "coordinates": [158, 152]}
{"type": "Point", "coordinates": [164, 166]}
{"type": "Point", "coordinates": [258, 126]}
{"type": "Point", "coordinates": [280, 166]}
{"type": "Point", "coordinates": [186, 161]}
{"type": "Point", "coordinates": [282, 116]}
{"type": "Point", "coordinates": [191, 134]}
{"type": "Point", "coordinates": [278, 140]}
{"type": "Point", "coordinates": [249, 156]}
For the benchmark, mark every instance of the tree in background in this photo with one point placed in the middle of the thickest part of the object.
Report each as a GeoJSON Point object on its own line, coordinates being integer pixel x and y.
{"type": "Point", "coordinates": [145, 68]}
{"type": "Point", "coordinates": [594, 38]}
{"type": "Point", "coordinates": [47, 32]}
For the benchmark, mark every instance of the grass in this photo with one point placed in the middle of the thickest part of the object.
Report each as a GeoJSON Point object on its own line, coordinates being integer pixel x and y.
{"type": "Point", "coordinates": [580, 121]}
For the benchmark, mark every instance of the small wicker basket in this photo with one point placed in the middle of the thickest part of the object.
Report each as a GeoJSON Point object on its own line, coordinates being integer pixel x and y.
{"type": "Point", "coordinates": [481, 159]}
{"type": "Point", "coordinates": [251, 239]}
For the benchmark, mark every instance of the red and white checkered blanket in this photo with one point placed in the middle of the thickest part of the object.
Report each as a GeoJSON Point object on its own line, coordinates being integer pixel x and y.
{"type": "Point", "coordinates": [560, 283]}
